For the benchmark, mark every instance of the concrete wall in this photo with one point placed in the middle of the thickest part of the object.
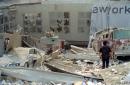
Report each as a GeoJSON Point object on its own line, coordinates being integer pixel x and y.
{"type": "Point", "coordinates": [73, 9]}
{"type": "Point", "coordinates": [15, 40]}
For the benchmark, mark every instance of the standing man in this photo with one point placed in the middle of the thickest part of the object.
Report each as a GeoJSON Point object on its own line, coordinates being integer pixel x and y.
{"type": "Point", "coordinates": [105, 54]}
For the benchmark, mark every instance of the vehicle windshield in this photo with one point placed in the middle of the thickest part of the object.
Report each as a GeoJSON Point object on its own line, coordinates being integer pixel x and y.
{"type": "Point", "coordinates": [121, 34]}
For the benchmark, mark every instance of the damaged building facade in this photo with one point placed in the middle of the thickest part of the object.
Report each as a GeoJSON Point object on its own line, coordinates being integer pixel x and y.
{"type": "Point", "coordinates": [70, 20]}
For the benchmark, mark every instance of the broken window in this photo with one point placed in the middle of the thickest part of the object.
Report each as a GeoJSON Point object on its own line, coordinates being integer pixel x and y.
{"type": "Point", "coordinates": [1, 19]}
{"type": "Point", "coordinates": [88, 22]}
{"type": "Point", "coordinates": [83, 14]}
{"type": "Point", "coordinates": [52, 29]}
{"type": "Point", "coordinates": [39, 29]}
{"type": "Point", "coordinates": [38, 22]}
{"type": "Point", "coordinates": [60, 15]}
{"type": "Point", "coordinates": [66, 14]}
{"type": "Point", "coordinates": [33, 22]}
{"type": "Point", "coordinates": [39, 15]}
{"type": "Point", "coordinates": [26, 29]}
{"type": "Point", "coordinates": [25, 22]}
{"type": "Point", "coordinates": [59, 28]}
{"type": "Point", "coordinates": [66, 29]}
{"type": "Point", "coordinates": [81, 29]}
{"type": "Point", "coordinates": [56, 20]}
{"type": "Point", "coordinates": [11, 25]}
{"type": "Point", "coordinates": [59, 21]}
{"type": "Point", "coordinates": [1, 29]}
{"type": "Point", "coordinates": [5, 19]}
{"type": "Point", "coordinates": [83, 21]}
{"type": "Point", "coordinates": [53, 15]}
{"type": "Point", "coordinates": [66, 22]}
{"type": "Point", "coordinates": [25, 17]}
{"type": "Point", "coordinates": [6, 27]}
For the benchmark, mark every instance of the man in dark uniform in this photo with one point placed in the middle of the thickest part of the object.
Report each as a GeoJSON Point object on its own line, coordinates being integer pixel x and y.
{"type": "Point", "coordinates": [105, 53]}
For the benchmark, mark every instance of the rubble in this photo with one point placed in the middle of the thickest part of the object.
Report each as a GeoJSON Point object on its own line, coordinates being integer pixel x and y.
{"type": "Point", "coordinates": [114, 74]}
{"type": "Point", "coordinates": [79, 61]}
{"type": "Point", "coordinates": [126, 78]}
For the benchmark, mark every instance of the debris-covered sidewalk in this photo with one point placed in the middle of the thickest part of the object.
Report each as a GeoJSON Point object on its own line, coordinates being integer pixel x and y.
{"type": "Point", "coordinates": [116, 74]}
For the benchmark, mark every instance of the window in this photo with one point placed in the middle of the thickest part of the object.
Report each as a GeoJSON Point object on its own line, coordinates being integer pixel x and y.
{"type": "Point", "coordinates": [59, 21]}
{"type": "Point", "coordinates": [39, 15]}
{"type": "Point", "coordinates": [82, 15]}
{"type": "Point", "coordinates": [52, 29]}
{"type": "Point", "coordinates": [6, 19]}
{"type": "Point", "coordinates": [6, 27]}
{"type": "Point", "coordinates": [66, 14]}
{"type": "Point", "coordinates": [56, 18]}
{"type": "Point", "coordinates": [11, 25]}
{"type": "Point", "coordinates": [66, 22]}
{"type": "Point", "coordinates": [81, 29]}
{"type": "Point", "coordinates": [66, 29]}
{"type": "Point", "coordinates": [88, 22]}
{"type": "Point", "coordinates": [32, 22]}
{"type": "Point", "coordinates": [38, 22]}
{"type": "Point", "coordinates": [1, 19]}
{"type": "Point", "coordinates": [59, 28]}
{"type": "Point", "coordinates": [25, 22]}
{"type": "Point", "coordinates": [53, 15]}
{"type": "Point", "coordinates": [60, 15]}
{"type": "Point", "coordinates": [39, 29]}
{"type": "Point", "coordinates": [83, 21]}
{"type": "Point", "coordinates": [1, 29]}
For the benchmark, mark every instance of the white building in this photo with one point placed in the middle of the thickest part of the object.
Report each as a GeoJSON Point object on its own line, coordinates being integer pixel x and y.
{"type": "Point", "coordinates": [110, 14]}
{"type": "Point", "coordinates": [7, 18]}
{"type": "Point", "coordinates": [70, 19]}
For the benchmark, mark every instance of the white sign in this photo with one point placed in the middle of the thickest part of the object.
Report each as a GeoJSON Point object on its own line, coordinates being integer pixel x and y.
{"type": "Point", "coordinates": [109, 14]}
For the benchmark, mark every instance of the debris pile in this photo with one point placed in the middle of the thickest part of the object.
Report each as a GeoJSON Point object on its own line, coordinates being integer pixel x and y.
{"type": "Point", "coordinates": [77, 61]}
